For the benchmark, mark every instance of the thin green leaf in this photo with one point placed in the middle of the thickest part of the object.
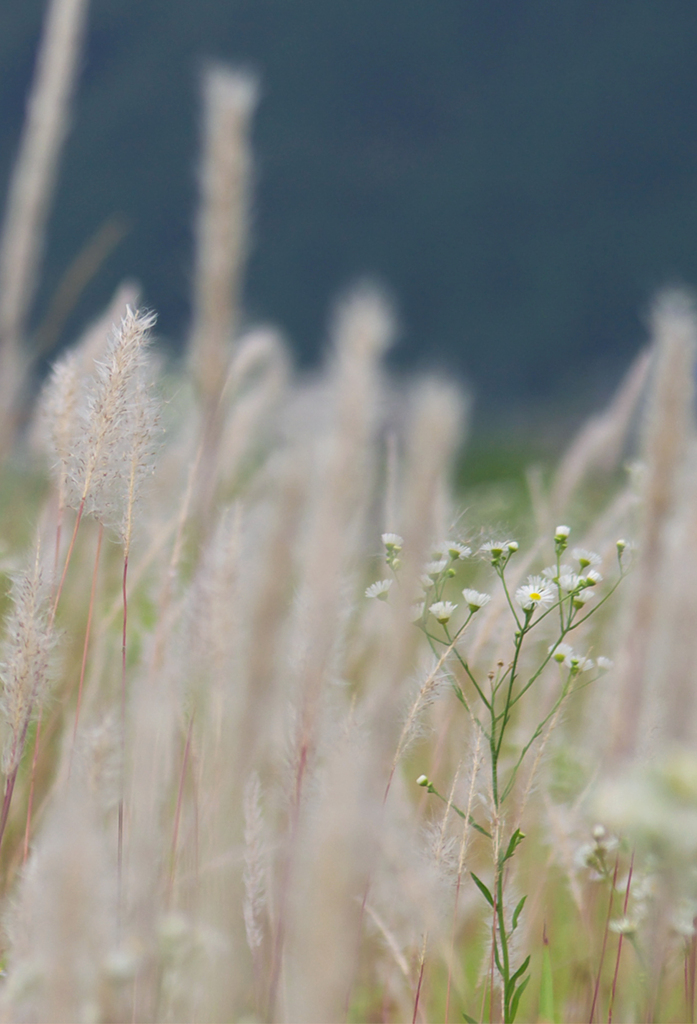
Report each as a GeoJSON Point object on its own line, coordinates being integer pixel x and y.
{"type": "Point", "coordinates": [513, 844]}
{"type": "Point", "coordinates": [470, 1020]}
{"type": "Point", "coordinates": [516, 913]}
{"type": "Point", "coordinates": [483, 889]}
{"type": "Point", "coordinates": [516, 1000]}
{"type": "Point", "coordinates": [521, 970]}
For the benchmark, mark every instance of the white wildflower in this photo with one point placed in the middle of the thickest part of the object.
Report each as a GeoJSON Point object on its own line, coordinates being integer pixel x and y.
{"type": "Point", "coordinates": [392, 541]}
{"type": "Point", "coordinates": [570, 582]}
{"type": "Point", "coordinates": [586, 558]}
{"type": "Point", "coordinates": [495, 549]}
{"type": "Point", "coordinates": [535, 592]}
{"type": "Point", "coordinates": [434, 569]}
{"type": "Point", "coordinates": [475, 600]}
{"type": "Point", "coordinates": [561, 652]}
{"type": "Point", "coordinates": [562, 532]}
{"type": "Point", "coordinates": [442, 611]}
{"type": "Point", "coordinates": [592, 577]}
{"type": "Point", "coordinates": [554, 574]}
{"type": "Point", "coordinates": [605, 664]}
{"type": "Point", "coordinates": [457, 550]}
{"type": "Point", "coordinates": [380, 589]}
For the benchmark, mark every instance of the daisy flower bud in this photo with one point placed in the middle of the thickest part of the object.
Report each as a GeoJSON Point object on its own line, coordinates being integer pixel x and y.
{"type": "Point", "coordinates": [422, 781]}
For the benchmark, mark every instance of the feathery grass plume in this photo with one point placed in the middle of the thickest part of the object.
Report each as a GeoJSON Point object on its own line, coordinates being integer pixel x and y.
{"type": "Point", "coordinates": [230, 98]}
{"type": "Point", "coordinates": [221, 241]}
{"type": "Point", "coordinates": [61, 927]}
{"type": "Point", "coordinates": [334, 847]}
{"type": "Point", "coordinates": [255, 389]}
{"type": "Point", "coordinates": [335, 520]}
{"type": "Point", "coordinates": [338, 500]}
{"type": "Point", "coordinates": [600, 441]}
{"type": "Point", "coordinates": [24, 669]}
{"type": "Point", "coordinates": [255, 868]}
{"type": "Point", "coordinates": [104, 458]}
{"type": "Point", "coordinates": [30, 192]}
{"type": "Point", "coordinates": [58, 423]}
{"type": "Point", "coordinates": [669, 427]}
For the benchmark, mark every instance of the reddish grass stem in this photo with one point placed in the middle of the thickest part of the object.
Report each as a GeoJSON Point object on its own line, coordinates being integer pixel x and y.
{"type": "Point", "coordinates": [605, 935]}
{"type": "Point", "coordinates": [619, 944]}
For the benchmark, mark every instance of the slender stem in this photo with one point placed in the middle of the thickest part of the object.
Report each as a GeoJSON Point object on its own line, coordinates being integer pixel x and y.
{"type": "Point", "coordinates": [85, 647]}
{"type": "Point", "coordinates": [619, 944]}
{"type": "Point", "coordinates": [177, 815]}
{"type": "Point", "coordinates": [7, 799]}
{"type": "Point", "coordinates": [122, 738]}
{"type": "Point", "coordinates": [420, 981]}
{"type": "Point", "coordinates": [605, 934]}
{"type": "Point", "coordinates": [30, 801]}
{"type": "Point", "coordinates": [59, 591]}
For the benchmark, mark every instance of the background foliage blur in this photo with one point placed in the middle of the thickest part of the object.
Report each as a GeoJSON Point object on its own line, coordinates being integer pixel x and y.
{"type": "Point", "coordinates": [520, 177]}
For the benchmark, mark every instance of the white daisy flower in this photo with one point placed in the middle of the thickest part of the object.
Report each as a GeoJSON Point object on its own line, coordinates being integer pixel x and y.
{"type": "Point", "coordinates": [578, 663]}
{"type": "Point", "coordinates": [417, 612]}
{"type": "Point", "coordinates": [561, 652]}
{"type": "Point", "coordinates": [535, 592]}
{"type": "Point", "coordinates": [475, 600]}
{"type": "Point", "coordinates": [562, 532]}
{"type": "Point", "coordinates": [586, 558]}
{"type": "Point", "coordinates": [392, 541]}
{"type": "Point", "coordinates": [605, 664]}
{"type": "Point", "coordinates": [496, 549]}
{"type": "Point", "coordinates": [592, 577]}
{"type": "Point", "coordinates": [379, 589]}
{"type": "Point", "coordinates": [570, 581]}
{"type": "Point", "coordinates": [434, 569]}
{"type": "Point", "coordinates": [457, 550]}
{"type": "Point", "coordinates": [583, 596]}
{"type": "Point", "coordinates": [442, 610]}
{"type": "Point", "coordinates": [552, 573]}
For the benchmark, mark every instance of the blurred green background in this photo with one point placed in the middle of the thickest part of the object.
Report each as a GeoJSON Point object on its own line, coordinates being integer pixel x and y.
{"type": "Point", "coordinates": [520, 176]}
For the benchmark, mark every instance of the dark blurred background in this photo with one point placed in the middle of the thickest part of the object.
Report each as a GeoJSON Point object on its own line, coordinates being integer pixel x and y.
{"type": "Point", "coordinates": [521, 177]}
